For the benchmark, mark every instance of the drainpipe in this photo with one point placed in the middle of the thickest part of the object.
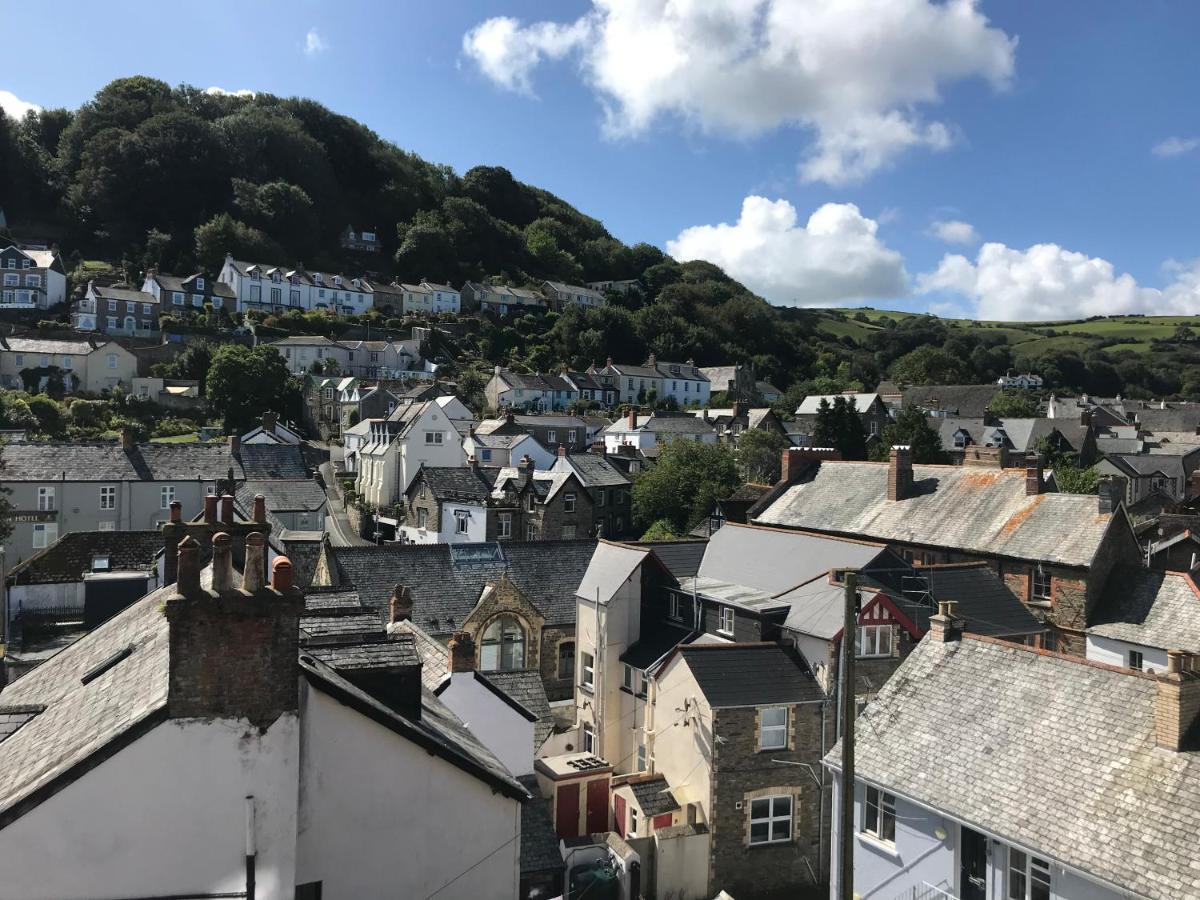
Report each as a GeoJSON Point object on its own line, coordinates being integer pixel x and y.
{"type": "Point", "coordinates": [251, 852]}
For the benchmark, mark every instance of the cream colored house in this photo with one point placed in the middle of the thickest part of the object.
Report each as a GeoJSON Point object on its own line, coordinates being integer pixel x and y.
{"type": "Point", "coordinates": [85, 365]}
{"type": "Point", "coordinates": [421, 434]}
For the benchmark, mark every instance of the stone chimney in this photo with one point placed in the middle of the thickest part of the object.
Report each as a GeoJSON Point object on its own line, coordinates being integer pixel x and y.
{"type": "Point", "coordinates": [1085, 417]}
{"type": "Point", "coordinates": [976, 457]}
{"type": "Point", "coordinates": [945, 626]}
{"type": "Point", "coordinates": [1177, 702]}
{"type": "Point", "coordinates": [462, 652]}
{"type": "Point", "coordinates": [235, 443]}
{"type": "Point", "coordinates": [128, 439]}
{"type": "Point", "coordinates": [631, 418]}
{"type": "Point", "coordinates": [232, 651]}
{"type": "Point", "coordinates": [900, 473]}
{"type": "Point", "coordinates": [401, 604]}
{"type": "Point", "coordinates": [1111, 493]}
{"type": "Point", "coordinates": [740, 408]}
{"type": "Point", "coordinates": [796, 461]}
{"type": "Point", "coordinates": [1033, 474]}
{"type": "Point", "coordinates": [269, 421]}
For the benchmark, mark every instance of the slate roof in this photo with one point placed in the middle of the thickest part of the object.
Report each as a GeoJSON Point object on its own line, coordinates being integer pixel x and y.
{"type": "Point", "coordinates": [106, 461]}
{"type": "Point", "coordinates": [970, 509]}
{"type": "Point", "coordinates": [656, 640]}
{"type": "Point", "coordinates": [682, 558]}
{"type": "Point", "coordinates": [1178, 418]}
{"type": "Point", "coordinates": [270, 461]}
{"type": "Point", "coordinates": [811, 405]}
{"type": "Point", "coordinates": [1157, 609]}
{"type": "Point", "coordinates": [539, 841]}
{"type": "Point", "coordinates": [322, 599]}
{"type": "Point", "coordinates": [654, 796]}
{"type": "Point", "coordinates": [397, 652]}
{"type": "Point", "coordinates": [79, 347]}
{"type": "Point", "coordinates": [445, 591]}
{"type": "Point", "coordinates": [608, 568]}
{"type": "Point", "coordinates": [995, 734]}
{"type": "Point", "coordinates": [594, 471]}
{"type": "Point", "coordinates": [13, 717]}
{"type": "Point", "coordinates": [435, 658]}
{"type": "Point", "coordinates": [70, 558]}
{"type": "Point", "coordinates": [328, 625]}
{"type": "Point", "coordinates": [525, 687]}
{"type": "Point", "coordinates": [969, 401]}
{"type": "Point", "coordinates": [283, 495]}
{"type": "Point", "coordinates": [662, 423]}
{"type": "Point", "coordinates": [719, 377]}
{"type": "Point", "coordinates": [107, 292]}
{"type": "Point", "coordinates": [750, 674]}
{"type": "Point", "coordinates": [462, 483]}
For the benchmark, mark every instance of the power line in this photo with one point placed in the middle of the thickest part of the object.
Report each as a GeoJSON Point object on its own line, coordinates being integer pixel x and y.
{"type": "Point", "coordinates": [474, 865]}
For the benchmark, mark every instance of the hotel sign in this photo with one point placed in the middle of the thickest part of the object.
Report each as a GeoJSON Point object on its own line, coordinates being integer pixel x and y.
{"type": "Point", "coordinates": [22, 516]}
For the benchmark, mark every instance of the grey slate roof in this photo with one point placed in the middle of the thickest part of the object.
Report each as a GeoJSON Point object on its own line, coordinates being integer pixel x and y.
{"type": "Point", "coordinates": [106, 461]}
{"type": "Point", "coordinates": [654, 796]}
{"type": "Point", "coordinates": [329, 625]}
{"type": "Point", "coordinates": [272, 461]}
{"type": "Point", "coordinates": [995, 735]}
{"type": "Point", "coordinates": [445, 591]}
{"type": "Point", "coordinates": [655, 641]}
{"type": "Point", "coordinates": [398, 652]}
{"type": "Point", "coordinates": [594, 471]}
{"type": "Point", "coordinates": [526, 688]}
{"type": "Point", "coordinates": [1157, 609]}
{"type": "Point", "coordinates": [13, 717]}
{"type": "Point", "coordinates": [682, 558]}
{"type": "Point", "coordinates": [435, 659]}
{"type": "Point", "coordinates": [539, 841]}
{"type": "Point", "coordinates": [462, 483]}
{"type": "Point", "coordinates": [750, 674]}
{"type": "Point", "coordinates": [965, 400]}
{"type": "Point", "coordinates": [976, 510]}
{"type": "Point", "coordinates": [282, 495]}
{"type": "Point", "coordinates": [70, 557]}
{"type": "Point", "coordinates": [323, 599]}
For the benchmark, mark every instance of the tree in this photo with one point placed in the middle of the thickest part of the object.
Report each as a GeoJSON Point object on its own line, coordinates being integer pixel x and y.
{"type": "Point", "coordinates": [5, 503]}
{"type": "Point", "coordinates": [1014, 403]}
{"type": "Point", "coordinates": [660, 530]}
{"type": "Point", "coordinates": [224, 234]}
{"type": "Point", "coordinates": [913, 429]}
{"type": "Point", "coordinates": [759, 455]}
{"type": "Point", "coordinates": [243, 384]}
{"type": "Point", "coordinates": [685, 484]}
{"type": "Point", "coordinates": [192, 364]}
{"type": "Point", "coordinates": [839, 426]}
{"type": "Point", "coordinates": [929, 365]}
{"type": "Point", "coordinates": [1074, 480]}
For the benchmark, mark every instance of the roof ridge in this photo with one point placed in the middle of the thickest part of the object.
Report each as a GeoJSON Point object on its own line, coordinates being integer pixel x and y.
{"type": "Point", "coordinates": [1057, 654]}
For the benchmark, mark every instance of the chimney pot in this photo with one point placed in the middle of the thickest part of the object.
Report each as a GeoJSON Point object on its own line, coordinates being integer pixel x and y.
{"type": "Point", "coordinates": [462, 652]}
{"type": "Point", "coordinates": [945, 626]}
{"type": "Point", "coordinates": [210, 509]}
{"type": "Point", "coordinates": [401, 605]}
{"type": "Point", "coordinates": [254, 573]}
{"type": "Point", "coordinates": [222, 562]}
{"type": "Point", "coordinates": [260, 509]}
{"type": "Point", "coordinates": [227, 509]}
{"type": "Point", "coordinates": [1177, 702]}
{"type": "Point", "coordinates": [281, 574]}
{"type": "Point", "coordinates": [633, 413]}
{"type": "Point", "coordinates": [176, 511]}
{"type": "Point", "coordinates": [187, 580]}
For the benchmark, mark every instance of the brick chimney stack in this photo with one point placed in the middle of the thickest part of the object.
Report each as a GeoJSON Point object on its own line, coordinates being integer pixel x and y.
{"type": "Point", "coordinates": [1110, 493]}
{"type": "Point", "coordinates": [796, 460]}
{"type": "Point", "coordinates": [401, 604]}
{"type": "Point", "coordinates": [509, 418]}
{"type": "Point", "coordinates": [259, 513]}
{"type": "Point", "coordinates": [1033, 474]}
{"type": "Point", "coordinates": [269, 421]}
{"type": "Point", "coordinates": [900, 473]}
{"type": "Point", "coordinates": [227, 509]}
{"type": "Point", "coordinates": [128, 439]}
{"type": "Point", "coordinates": [233, 650]}
{"type": "Point", "coordinates": [1177, 702]}
{"type": "Point", "coordinates": [562, 452]}
{"type": "Point", "coordinates": [632, 418]}
{"type": "Point", "coordinates": [235, 443]}
{"type": "Point", "coordinates": [462, 652]}
{"type": "Point", "coordinates": [945, 626]}
{"type": "Point", "coordinates": [527, 464]}
{"type": "Point", "coordinates": [210, 509]}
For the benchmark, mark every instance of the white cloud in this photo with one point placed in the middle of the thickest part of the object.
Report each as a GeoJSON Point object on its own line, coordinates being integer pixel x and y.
{"type": "Point", "coordinates": [222, 92]}
{"type": "Point", "coordinates": [834, 257]}
{"type": "Point", "coordinates": [314, 43]}
{"type": "Point", "coordinates": [14, 106]}
{"type": "Point", "coordinates": [1047, 281]}
{"type": "Point", "coordinates": [853, 74]}
{"type": "Point", "coordinates": [954, 231]}
{"type": "Point", "coordinates": [1175, 146]}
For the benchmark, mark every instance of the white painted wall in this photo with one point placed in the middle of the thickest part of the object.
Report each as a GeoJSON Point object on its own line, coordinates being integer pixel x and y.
{"type": "Point", "coordinates": [1116, 653]}
{"type": "Point", "coordinates": [448, 524]}
{"type": "Point", "coordinates": [165, 815]}
{"type": "Point", "coordinates": [684, 752]}
{"type": "Point", "coordinates": [499, 727]}
{"type": "Point", "coordinates": [384, 818]}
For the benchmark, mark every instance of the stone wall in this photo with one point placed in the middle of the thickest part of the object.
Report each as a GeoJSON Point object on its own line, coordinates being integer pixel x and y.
{"type": "Point", "coordinates": [742, 772]}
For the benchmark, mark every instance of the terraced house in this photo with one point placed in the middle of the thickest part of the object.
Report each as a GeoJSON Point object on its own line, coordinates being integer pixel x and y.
{"type": "Point", "coordinates": [90, 365]}
{"type": "Point", "coordinates": [176, 293]}
{"type": "Point", "coordinates": [31, 278]}
{"type": "Point", "coordinates": [280, 288]}
{"type": "Point", "coordinates": [116, 311]}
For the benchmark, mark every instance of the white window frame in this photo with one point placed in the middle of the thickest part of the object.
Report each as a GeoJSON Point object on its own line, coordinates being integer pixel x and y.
{"type": "Point", "coordinates": [627, 677]}
{"type": "Point", "coordinates": [45, 499]}
{"type": "Point", "coordinates": [1137, 661]}
{"type": "Point", "coordinates": [773, 735]}
{"type": "Point", "coordinates": [44, 534]}
{"type": "Point", "coordinates": [1022, 871]}
{"type": "Point", "coordinates": [108, 496]}
{"type": "Point", "coordinates": [433, 438]}
{"type": "Point", "coordinates": [569, 502]}
{"type": "Point", "coordinates": [111, 361]}
{"type": "Point", "coordinates": [504, 525]}
{"type": "Point", "coordinates": [873, 641]}
{"type": "Point", "coordinates": [1041, 585]}
{"type": "Point", "coordinates": [641, 758]}
{"type": "Point", "coordinates": [551, 436]}
{"type": "Point", "coordinates": [588, 740]}
{"type": "Point", "coordinates": [774, 819]}
{"type": "Point", "coordinates": [462, 521]}
{"type": "Point", "coordinates": [879, 816]}
{"type": "Point", "coordinates": [531, 532]}
{"type": "Point", "coordinates": [166, 496]}
{"type": "Point", "coordinates": [587, 670]}
{"type": "Point", "coordinates": [675, 607]}
{"type": "Point", "coordinates": [726, 613]}
{"type": "Point", "coordinates": [633, 822]}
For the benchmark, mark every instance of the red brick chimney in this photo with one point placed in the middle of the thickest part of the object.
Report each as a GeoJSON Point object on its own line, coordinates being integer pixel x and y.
{"type": "Point", "coordinates": [462, 652]}
{"type": "Point", "coordinates": [1033, 474]}
{"type": "Point", "coordinates": [1177, 702]}
{"type": "Point", "coordinates": [235, 443]}
{"type": "Point", "coordinates": [900, 473]}
{"type": "Point", "coordinates": [259, 513]}
{"type": "Point", "coordinates": [562, 452]}
{"type": "Point", "coordinates": [796, 461]}
{"type": "Point", "coordinates": [128, 439]}
{"type": "Point", "coordinates": [631, 418]}
{"type": "Point", "coordinates": [401, 604]}
{"type": "Point", "coordinates": [210, 509]}
{"type": "Point", "coordinates": [227, 509]}
{"type": "Point", "coordinates": [740, 408]}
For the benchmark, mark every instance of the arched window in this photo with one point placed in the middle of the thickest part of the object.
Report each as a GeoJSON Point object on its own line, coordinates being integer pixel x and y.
{"type": "Point", "coordinates": [503, 647]}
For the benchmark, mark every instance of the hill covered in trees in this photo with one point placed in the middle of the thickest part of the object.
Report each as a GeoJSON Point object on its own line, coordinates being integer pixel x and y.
{"type": "Point", "coordinates": [149, 175]}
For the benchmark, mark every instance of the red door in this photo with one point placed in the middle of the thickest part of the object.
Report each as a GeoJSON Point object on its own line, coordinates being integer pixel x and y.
{"type": "Point", "coordinates": [619, 813]}
{"type": "Point", "coordinates": [597, 806]}
{"type": "Point", "coordinates": [566, 819]}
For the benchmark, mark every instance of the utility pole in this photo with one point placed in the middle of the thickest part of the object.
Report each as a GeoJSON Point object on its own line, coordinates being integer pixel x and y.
{"type": "Point", "coordinates": [846, 698]}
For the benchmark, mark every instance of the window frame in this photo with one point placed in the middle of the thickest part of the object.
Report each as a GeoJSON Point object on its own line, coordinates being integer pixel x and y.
{"type": "Point", "coordinates": [504, 525]}
{"type": "Point", "coordinates": [566, 651]}
{"type": "Point", "coordinates": [772, 819]}
{"type": "Point", "coordinates": [1041, 584]}
{"type": "Point", "coordinates": [587, 670]}
{"type": "Point", "coordinates": [462, 521]}
{"type": "Point", "coordinates": [588, 738]}
{"type": "Point", "coordinates": [108, 496]}
{"type": "Point", "coordinates": [569, 500]}
{"type": "Point", "coordinates": [166, 496]}
{"type": "Point", "coordinates": [1027, 867]}
{"type": "Point", "coordinates": [868, 641]}
{"type": "Point", "coordinates": [1138, 657]}
{"type": "Point", "coordinates": [775, 727]}
{"type": "Point", "coordinates": [45, 498]}
{"type": "Point", "coordinates": [721, 629]}
{"type": "Point", "coordinates": [879, 811]}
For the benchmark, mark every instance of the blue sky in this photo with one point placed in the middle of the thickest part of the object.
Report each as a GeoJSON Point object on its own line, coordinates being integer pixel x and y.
{"type": "Point", "coordinates": [1032, 126]}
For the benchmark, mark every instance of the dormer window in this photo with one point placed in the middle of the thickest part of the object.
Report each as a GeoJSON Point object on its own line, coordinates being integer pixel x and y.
{"type": "Point", "coordinates": [199, 284]}
{"type": "Point", "coordinates": [337, 280]}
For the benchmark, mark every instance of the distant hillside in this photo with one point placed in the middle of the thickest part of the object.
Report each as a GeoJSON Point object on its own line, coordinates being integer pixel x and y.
{"type": "Point", "coordinates": [149, 175]}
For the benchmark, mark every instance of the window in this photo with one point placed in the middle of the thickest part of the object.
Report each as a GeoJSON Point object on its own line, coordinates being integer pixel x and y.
{"type": "Point", "coordinates": [108, 497]}
{"type": "Point", "coordinates": [531, 532]}
{"type": "Point", "coordinates": [504, 528]}
{"type": "Point", "coordinates": [177, 298]}
{"type": "Point", "coordinates": [726, 626]}
{"type": "Point", "coordinates": [106, 526]}
{"type": "Point", "coordinates": [566, 659]}
{"type": "Point", "coordinates": [874, 640]}
{"type": "Point", "coordinates": [601, 496]}
{"type": "Point", "coordinates": [568, 533]}
{"type": "Point", "coordinates": [503, 646]}
{"type": "Point", "coordinates": [771, 819]}
{"type": "Point", "coordinates": [673, 611]}
{"type": "Point", "coordinates": [45, 499]}
{"type": "Point", "coordinates": [461, 519]}
{"type": "Point", "coordinates": [166, 495]}
{"type": "Point", "coordinates": [20, 359]}
{"type": "Point", "coordinates": [199, 284]}
{"type": "Point", "coordinates": [641, 758]}
{"type": "Point", "coordinates": [111, 360]}
{"type": "Point", "coordinates": [1028, 876]}
{"type": "Point", "coordinates": [145, 309]}
{"type": "Point", "coordinates": [530, 501]}
{"type": "Point", "coordinates": [772, 729]}
{"type": "Point", "coordinates": [68, 362]}
{"type": "Point", "coordinates": [485, 455]}
{"type": "Point", "coordinates": [277, 296]}
{"type": "Point", "coordinates": [570, 435]}
{"type": "Point", "coordinates": [1040, 584]}
{"type": "Point", "coordinates": [589, 738]}
{"type": "Point", "coordinates": [433, 438]}
{"type": "Point", "coordinates": [587, 671]}
{"type": "Point", "coordinates": [632, 822]}
{"type": "Point", "coordinates": [627, 677]}
{"type": "Point", "coordinates": [422, 517]}
{"type": "Point", "coordinates": [879, 816]}
{"type": "Point", "coordinates": [1136, 661]}
{"type": "Point", "coordinates": [569, 502]}
{"type": "Point", "coordinates": [44, 535]}
{"type": "Point", "coordinates": [12, 280]}
{"type": "Point", "coordinates": [33, 280]}
{"type": "Point", "coordinates": [551, 436]}
{"type": "Point", "coordinates": [112, 322]}
{"type": "Point", "coordinates": [255, 293]}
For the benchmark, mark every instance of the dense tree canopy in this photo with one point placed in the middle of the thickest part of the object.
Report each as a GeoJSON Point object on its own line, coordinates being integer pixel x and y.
{"type": "Point", "coordinates": [684, 485]}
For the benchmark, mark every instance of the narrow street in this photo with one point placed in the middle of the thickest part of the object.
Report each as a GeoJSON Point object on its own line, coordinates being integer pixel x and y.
{"type": "Point", "coordinates": [337, 523]}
